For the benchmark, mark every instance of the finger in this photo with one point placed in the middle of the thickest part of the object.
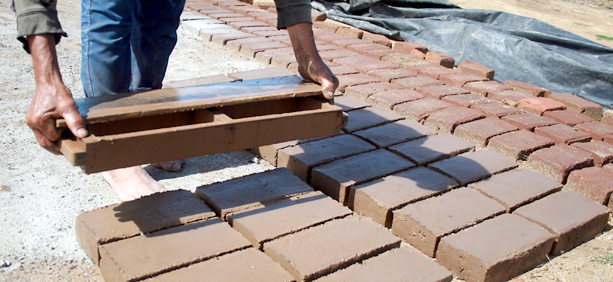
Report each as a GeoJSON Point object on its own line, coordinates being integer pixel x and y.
{"type": "Point", "coordinates": [75, 122]}
{"type": "Point", "coordinates": [47, 128]}
{"type": "Point", "coordinates": [45, 143]}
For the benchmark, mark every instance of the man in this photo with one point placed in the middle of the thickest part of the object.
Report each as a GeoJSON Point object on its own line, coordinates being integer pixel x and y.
{"type": "Point", "coordinates": [125, 47]}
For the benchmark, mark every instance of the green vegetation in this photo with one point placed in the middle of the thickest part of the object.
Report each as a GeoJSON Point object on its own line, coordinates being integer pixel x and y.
{"type": "Point", "coordinates": [603, 37]}
{"type": "Point", "coordinates": [604, 259]}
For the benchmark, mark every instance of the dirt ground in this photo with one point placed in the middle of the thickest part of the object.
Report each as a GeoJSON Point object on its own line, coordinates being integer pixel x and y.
{"type": "Point", "coordinates": [41, 194]}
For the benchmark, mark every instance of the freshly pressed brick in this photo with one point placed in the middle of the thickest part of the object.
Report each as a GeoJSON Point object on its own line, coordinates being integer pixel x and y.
{"type": "Point", "coordinates": [364, 63]}
{"type": "Point", "coordinates": [518, 145]}
{"type": "Point", "coordinates": [601, 152]}
{"type": "Point", "coordinates": [528, 88]}
{"type": "Point", "coordinates": [528, 121]}
{"type": "Point", "coordinates": [476, 68]}
{"type": "Point", "coordinates": [563, 134]}
{"type": "Point", "coordinates": [402, 264]}
{"type": "Point", "coordinates": [269, 152]}
{"type": "Point", "coordinates": [389, 99]}
{"type": "Point", "coordinates": [365, 90]}
{"type": "Point", "coordinates": [539, 105]}
{"type": "Point", "coordinates": [598, 130]}
{"type": "Point", "coordinates": [516, 187]}
{"type": "Point", "coordinates": [394, 133]}
{"type": "Point", "coordinates": [509, 97]}
{"type": "Point", "coordinates": [347, 80]}
{"type": "Point", "coordinates": [496, 110]}
{"type": "Point", "coordinates": [144, 215]}
{"type": "Point", "coordinates": [579, 105]}
{"type": "Point", "coordinates": [350, 103]}
{"type": "Point", "coordinates": [447, 120]}
{"type": "Point", "coordinates": [424, 223]}
{"type": "Point", "coordinates": [417, 81]}
{"type": "Point", "coordinates": [568, 117]}
{"type": "Point", "coordinates": [251, 191]}
{"type": "Point", "coordinates": [323, 249]}
{"type": "Point", "coordinates": [496, 249]}
{"type": "Point", "coordinates": [480, 131]}
{"type": "Point", "coordinates": [573, 218]}
{"type": "Point", "coordinates": [473, 166]}
{"type": "Point", "coordinates": [594, 182]}
{"type": "Point", "coordinates": [440, 91]}
{"type": "Point", "coordinates": [466, 100]}
{"type": "Point", "coordinates": [421, 108]}
{"type": "Point", "coordinates": [369, 117]}
{"type": "Point", "coordinates": [558, 161]}
{"type": "Point", "coordinates": [286, 216]}
{"type": "Point", "coordinates": [440, 59]}
{"type": "Point", "coordinates": [388, 75]}
{"type": "Point", "coordinates": [432, 148]}
{"type": "Point", "coordinates": [144, 256]}
{"type": "Point", "coordinates": [377, 199]}
{"type": "Point", "coordinates": [483, 88]}
{"type": "Point", "coordinates": [335, 178]}
{"type": "Point", "coordinates": [459, 79]}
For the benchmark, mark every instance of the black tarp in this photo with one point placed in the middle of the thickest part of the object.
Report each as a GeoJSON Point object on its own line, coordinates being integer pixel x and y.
{"type": "Point", "coordinates": [516, 47]}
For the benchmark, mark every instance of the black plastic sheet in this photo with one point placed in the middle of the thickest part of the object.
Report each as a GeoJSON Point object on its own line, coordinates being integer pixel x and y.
{"type": "Point", "coordinates": [516, 47]}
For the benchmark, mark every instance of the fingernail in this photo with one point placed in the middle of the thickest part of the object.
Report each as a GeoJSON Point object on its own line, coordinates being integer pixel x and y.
{"type": "Point", "coordinates": [82, 132]}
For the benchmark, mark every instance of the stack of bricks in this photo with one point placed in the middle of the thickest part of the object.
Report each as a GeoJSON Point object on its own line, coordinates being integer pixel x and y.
{"type": "Point", "coordinates": [469, 171]}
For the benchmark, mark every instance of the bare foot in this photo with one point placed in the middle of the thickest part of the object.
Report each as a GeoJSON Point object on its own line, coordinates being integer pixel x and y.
{"type": "Point", "coordinates": [172, 166]}
{"type": "Point", "coordinates": [132, 183]}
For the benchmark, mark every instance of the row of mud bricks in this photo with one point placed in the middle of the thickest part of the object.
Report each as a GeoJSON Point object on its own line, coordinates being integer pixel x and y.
{"type": "Point", "coordinates": [440, 172]}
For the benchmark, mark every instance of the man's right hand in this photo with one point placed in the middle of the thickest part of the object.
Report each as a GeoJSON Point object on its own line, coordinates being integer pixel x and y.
{"type": "Point", "coordinates": [52, 99]}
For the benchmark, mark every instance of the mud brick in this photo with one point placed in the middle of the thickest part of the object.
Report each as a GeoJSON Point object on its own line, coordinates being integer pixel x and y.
{"type": "Point", "coordinates": [539, 105]}
{"type": "Point", "coordinates": [302, 158]}
{"type": "Point", "coordinates": [394, 133]}
{"type": "Point", "coordinates": [402, 264]}
{"type": "Point", "coordinates": [601, 152]}
{"type": "Point", "coordinates": [389, 99]}
{"type": "Point", "coordinates": [415, 82]}
{"type": "Point", "coordinates": [377, 199]}
{"type": "Point", "coordinates": [407, 46]}
{"type": "Point", "coordinates": [286, 217]}
{"type": "Point", "coordinates": [377, 38]}
{"type": "Point", "coordinates": [336, 53]}
{"type": "Point", "coordinates": [251, 191]}
{"type": "Point", "coordinates": [418, 53]}
{"type": "Point", "coordinates": [406, 60]}
{"type": "Point", "coordinates": [345, 42]}
{"type": "Point", "coordinates": [440, 59]}
{"type": "Point", "coordinates": [528, 121]}
{"type": "Point", "coordinates": [480, 131]}
{"type": "Point", "coordinates": [247, 22]}
{"type": "Point", "coordinates": [509, 97]}
{"type": "Point", "coordinates": [495, 109]}
{"type": "Point", "coordinates": [440, 91]}
{"type": "Point", "coordinates": [350, 32]}
{"type": "Point", "coordinates": [283, 61]}
{"type": "Point", "coordinates": [446, 121]}
{"type": "Point", "coordinates": [225, 15]}
{"type": "Point", "coordinates": [363, 91]}
{"type": "Point", "coordinates": [376, 53]}
{"type": "Point", "coordinates": [148, 214]}
{"type": "Point", "coordinates": [364, 63]}
{"type": "Point", "coordinates": [607, 117]}
{"type": "Point", "coordinates": [567, 117]}
{"type": "Point", "coordinates": [528, 88]}
{"type": "Point", "coordinates": [466, 100]}
{"type": "Point", "coordinates": [267, 55]}
{"type": "Point", "coordinates": [212, 30]}
{"type": "Point", "coordinates": [424, 223]}
{"type": "Point", "coordinates": [594, 182]}
{"type": "Point", "coordinates": [235, 45]}
{"type": "Point", "coordinates": [579, 105]}
{"type": "Point", "coordinates": [518, 145]}
{"type": "Point", "coordinates": [204, 24]}
{"type": "Point", "coordinates": [347, 80]}
{"type": "Point", "coordinates": [323, 249]}
{"type": "Point", "coordinates": [459, 79]}
{"type": "Point", "coordinates": [598, 130]}
{"type": "Point", "coordinates": [326, 26]}
{"type": "Point", "coordinates": [244, 265]}
{"type": "Point", "coordinates": [516, 188]}
{"type": "Point", "coordinates": [387, 75]}
{"type": "Point", "coordinates": [269, 152]}
{"type": "Point", "coordinates": [422, 108]}
{"type": "Point", "coordinates": [432, 70]}
{"type": "Point", "coordinates": [432, 148]}
{"type": "Point", "coordinates": [348, 103]}
{"type": "Point", "coordinates": [474, 166]}
{"type": "Point", "coordinates": [483, 88]}
{"type": "Point", "coordinates": [496, 249]}
{"type": "Point", "coordinates": [369, 117]}
{"type": "Point", "coordinates": [563, 134]}
{"type": "Point", "coordinates": [223, 38]}
{"type": "Point", "coordinates": [258, 74]}
{"type": "Point", "coordinates": [476, 68]}
{"type": "Point", "coordinates": [264, 30]}
{"type": "Point", "coordinates": [198, 5]}
{"type": "Point", "coordinates": [558, 161]}
{"type": "Point", "coordinates": [340, 70]}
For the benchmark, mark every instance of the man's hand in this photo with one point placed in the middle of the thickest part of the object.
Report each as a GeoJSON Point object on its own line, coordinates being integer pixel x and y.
{"type": "Point", "coordinates": [310, 64]}
{"type": "Point", "coordinates": [52, 99]}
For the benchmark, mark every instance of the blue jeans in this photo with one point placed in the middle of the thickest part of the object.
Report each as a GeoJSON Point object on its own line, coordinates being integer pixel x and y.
{"type": "Point", "coordinates": [126, 44]}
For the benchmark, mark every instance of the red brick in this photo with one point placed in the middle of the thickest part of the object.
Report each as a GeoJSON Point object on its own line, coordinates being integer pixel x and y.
{"type": "Point", "coordinates": [422, 108]}
{"type": "Point", "coordinates": [558, 161]}
{"type": "Point", "coordinates": [539, 105]}
{"type": "Point", "coordinates": [226, 15]}
{"type": "Point", "coordinates": [579, 105]}
{"type": "Point", "coordinates": [369, 117]}
{"type": "Point", "coordinates": [476, 68]}
{"type": "Point", "coordinates": [440, 59]}
{"type": "Point", "coordinates": [601, 152]}
{"type": "Point", "coordinates": [418, 54]}
{"type": "Point", "coordinates": [567, 117]}
{"type": "Point", "coordinates": [350, 32]}
{"type": "Point", "coordinates": [528, 121]}
{"type": "Point", "coordinates": [432, 148]}
{"type": "Point", "coordinates": [365, 90]}
{"type": "Point", "coordinates": [480, 131]}
{"type": "Point", "coordinates": [496, 249]}
{"type": "Point", "coordinates": [369, 49]}
{"type": "Point", "coordinates": [394, 133]}
{"type": "Point", "coordinates": [446, 121]}
{"type": "Point", "coordinates": [562, 134]}
{"type": "Point", "coordinates": [377, 199]}
{"type": "Point", "coordinates": [406, 47]}
{"type": "Point", "coordinates": [406, 60]}
{"type": "Point", "coordinates": [528, 88]}
{"type": "Point", "coordinates": [573, 218]}
{"type": "Point", "coordinates": [264, 31]}
{"type": "Point", "coordinates": [246, 23]}
{"type": "Point", "coordinates": [350, 103]}
{"type": "Point", "coordinates": [223, 38]}
{"type": "Point", "coordinates": [302, 158]}
{"type": "Point", "coordinates": [336, 53]}
{"type": "Point", "coordinates": [509, 97]}
{"type": "Point", "coordinates": [517, 187]}
{"type": "Point", "coordinates": [594, 182]}
{"type": "Point", "coordinates": [608, 139]}
{"type": "Point", "coordinates": [388, 75]}
{"type": "Point", "coordinates": [598, 130]}
{"type": "Point", "coordinates": [459, 79]}
{"type": "Point", "coordinates": [283, 61]}
{"type": "Point", "coordinates": [347, 80]}
{"type": "Point", "coordinates": [199, 27]}
{"type": "Point", "coordinates": [326, 26]}
{"type": "Point", "coordinates": [495, 109]}
{"type": "Point", "coordinates": [424, 223]}
{"type": "Point", "coordinates": [281, 39]}
{"type": "Point", "coordinates": [334, 179]}
{"type": "Point", "coordinates": [344, 42]}
{"type": "Point", "coordinates": [323, 249]}
{"type": "Point", "coordinates": [267, 55]}
{"type": "Point", "coordinates": [518, 145]}
{"type": "Point", "coordinates": [377, 38]}
{"type": "Point", "coordinates": [340, 70]}
{"type": "Point", "coordinates": [389, 99]}
{"type": "Point", "coordinates": [249, 49]}
{"type": "Point", "coordinates": [225, 33]}
{"type": "Point", "coordinates": [432, 70]}
{"type": "Point", "coordinates": [474, 166]}
{"type": "Point", "coordinates": [466, 100]}
{"type": "Point", "coordinates": [364, 63]}
{"type": "Point", "coordinates": [483, 88]}
{"type": "Point", "coordinates": [440, 91]}
{"type": "Point", "coordinates": [415, 82]}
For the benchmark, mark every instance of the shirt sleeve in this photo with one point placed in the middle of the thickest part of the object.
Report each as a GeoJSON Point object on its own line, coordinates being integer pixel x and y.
{"type": "Point", "coordinates": [291, 12]}
{"type": "Point", "coordinates": [37, 17]}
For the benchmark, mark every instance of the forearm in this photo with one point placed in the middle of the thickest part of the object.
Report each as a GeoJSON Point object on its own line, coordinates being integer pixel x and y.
{"type": "Point", "coordinates": [44, 59]}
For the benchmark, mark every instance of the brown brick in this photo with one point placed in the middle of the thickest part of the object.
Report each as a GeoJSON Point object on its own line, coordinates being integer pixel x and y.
{"type": "Point", "coordinates": [344, 42]}
{"type": "Point", "coordinates": [528, 88]}
{"type": "Point", "coordinates": [440, 91]}
{"type": "Point", "coordinates": [415, 82]}
{"type": "Point", "coordinates": [598, 130]}
{"type": "Point", "coordinates": [350, 103]}
{"type": "Point", "coordinates": [340, 70]}
{"type": "Point", "coordinates": [433, 70]}
{"type": "Point", "coordinates": [539, 105]}
{"type": "Point", "coordinates": [567, 117]}
{"type": "Point", "coordinates": [377, 38]}
{"type": "Point", "coordinates": [518, 145]}
{"type": "Point", "coordinates": [418, 54]}
{"type": "Point", "coordinates": [323, 249]}
{"type": "Point", "coordinates": [440, 59]}
{"type": "Point", "coordinates": [496, 249]}
{"type": "Point", "coordinates": [421, 109]}
{"type": "Point", "coordinates": [336, 53]}
{"type": "Point", "coordinates": [432, 148]}
{"type": "Point", "coordinates": [225, 33]}
{"type": "Point", "coordinates": [302, 158]}
{"type": "Point", "coordinates": [446, 121]}
{"type": "Point", "coordinates": [476, 68]}
{"type": "Point", "coordinates": [594, 182]}
{"type": "Point", "coordinates": [509, 97]}
{"type": "Point", "coordinates": [223, 38]}
{"type": "Point", "coordinates": [334, 178]}
{"type": "Point", "coordinates": [466, 100]}
{"type": "Point", "coordinates": [424, 223]}
{"type": "Point", "coordinates": [528, 121]}
{"type": "Point", "coordinates": [394, 133]}
{"type": "Point", "coordinates": [579, 105]}
{"type": "Point", "coordinates": [562, 134]}
{"type": "Point", "coordinates": [407, 46]}
{"type": "Point", "coordinates": [252, 48]}
{"type": "Point", "coordinates": [495, 109]}
{"type": "Point", "coordinates": [369, 117]}
{"type": "Point", "coordinates": [459, 79]}
{"type": "Point", "coordinates": [247, 22]}
{"type": "Point", "coordinates": [326, 26]}
{"type": "Point", "coordinates": [365, 90]}
{"type": "Point", "coordinates": [364, 63]}
{"type": "Point", "coordinates": [480, 131]}
{"type": "Point", "coordinates": [516, 188]}
{"type": "Point", "coordinates": [601, 152]}
{"type": "Point", "coordinates": [483, 88]}
{"type": "Point", "coordinates": [283, 61]}
{"type": "Point", "coordinates": [387, 75]}
{"type": "Point", "coordinates": [406, 60]}
{"type": "Point", "coordinates": [389, 99]}
{"type": "Point", "coordinates": [558, 161]}
{"type": "Point", "coordinates": [378, 198]}
{"type": "Point", "coordinates": [473, 166]}
{"type": "Point", "coordinates": [350, 32]}
{"type": "Point", "coordinates": [269, 152]}
{"type": "Point", "coordinates": [372, 50]}
{"type": "Point", "coordinates": [347, 80]}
